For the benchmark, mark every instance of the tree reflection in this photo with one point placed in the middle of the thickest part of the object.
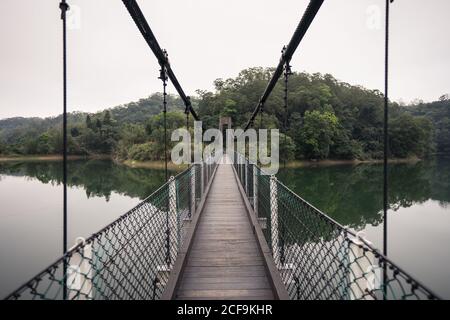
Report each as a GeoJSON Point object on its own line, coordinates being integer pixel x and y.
{"type": "Point", "coordinates": [98, 177]}
{"type": "Point", "coordinates": [352, 194]}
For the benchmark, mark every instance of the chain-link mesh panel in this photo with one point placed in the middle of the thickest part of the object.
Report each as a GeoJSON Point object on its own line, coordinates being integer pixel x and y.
{"type": "Point", "coordinates": [132, 257]}
{"type": "Point", "coordinates": [250, 183]}
{"type": "Point", "coordinates": [205, 174]}
{"type": "Point", "coordinates": [318, 258]}
{"type": "Point", "coordinates": [183, 184]}
{"type": "Point", "coordinates": [198, 183]}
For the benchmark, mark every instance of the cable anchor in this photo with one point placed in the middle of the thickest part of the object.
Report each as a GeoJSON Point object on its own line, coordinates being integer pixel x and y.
{"type": "Point", "coordinates": [64, 8]}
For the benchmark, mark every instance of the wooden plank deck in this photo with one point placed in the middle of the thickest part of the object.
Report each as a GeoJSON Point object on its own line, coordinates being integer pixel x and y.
{"type": "Point", "coordinates": [225, 261]}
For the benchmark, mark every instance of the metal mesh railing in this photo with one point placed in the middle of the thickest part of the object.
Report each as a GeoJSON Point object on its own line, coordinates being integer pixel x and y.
{"type": "Point", "coordinates": [132, 257]}
{"type": "Point", "coordinates": [318, 258]}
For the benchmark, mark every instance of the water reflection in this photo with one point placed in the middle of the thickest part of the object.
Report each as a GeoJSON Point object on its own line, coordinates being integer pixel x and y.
{"type": "Point", "coordinates": [352, 195]}
{"type": "Point", "coordinates": [31, 209]}
{"type": "Point", "coordinates": [100, 191]}
{"type": "Point", "coordinates": [99, 178]}
{"type": "Point", "coordinates": [418, 219]}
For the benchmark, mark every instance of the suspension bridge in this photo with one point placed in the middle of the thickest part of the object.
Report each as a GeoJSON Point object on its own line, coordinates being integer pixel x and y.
{"type": "Point", "coordinates": [221, 229]}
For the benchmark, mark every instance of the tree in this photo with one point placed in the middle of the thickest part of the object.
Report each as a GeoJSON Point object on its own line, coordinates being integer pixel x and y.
{"type": "Point", "coordinates": [44, 144]}
{"type": "Point", "coordinates": [98, 125]}
{"type": "Point", "coordinates": [143, 152]}
{"type": "Point", "coordinates": [410, 136]}
{"type": "Point", "coordinates": [107, 118]}
{"type": "Point", "coordinates": [133, 134]}
{"type": "Point", "coordinates": [3, 148]}
{"type": "Point", "coordinates": [443, 135]}
{"type": "Point", "coordinates": [175, 120]}
{"type": "Point", "coordinates": [344, 147]}
{"type": "Point", "coordinates": [89, 122]}
{"type": "Point", "coordinates": [318, 134]}
{"type": "Point", "coordinates": [229, 109]}
{"type": "Point", "coordinates": [74, 132]}
{"type": "Point", "coordinates": [315, 103]}
{"type": "Point", "coordinates": [287, 148]}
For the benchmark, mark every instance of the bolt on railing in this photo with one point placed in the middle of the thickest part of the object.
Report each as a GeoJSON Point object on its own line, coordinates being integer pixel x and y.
{"type": "Point", "coordinates": [316, 257]}
{"type": "Point", "coordinates": [131, 258]}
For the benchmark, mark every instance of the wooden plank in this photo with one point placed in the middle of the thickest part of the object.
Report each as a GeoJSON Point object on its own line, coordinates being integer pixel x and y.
{"type": "Point", "coordinates": [229, 228]}
{"type": "Point", "coordinates": [225, 261]}
{"type": "Point", "coordinates": [274, 276]}
{"type": "Point", "coordinates": [225, 279]}
{"type": "Point", "coordinates": [259, 294]}
{"type": "Point", "coordinates": [218, 272]}
{"type": "Point", "coordinates": [222, 244]}
{"type": "Point", "coordinates": [248, 252]}
{"type": "Point", "coordinates": [229, 244]}
{"type": "Point", "coordinates": [247, 284]}
{"type": "Point", "coordinates": [238, 237]}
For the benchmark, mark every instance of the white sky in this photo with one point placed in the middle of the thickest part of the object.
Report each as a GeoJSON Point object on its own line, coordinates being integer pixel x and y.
{"type": "Point", "coordinates": [110, 63]}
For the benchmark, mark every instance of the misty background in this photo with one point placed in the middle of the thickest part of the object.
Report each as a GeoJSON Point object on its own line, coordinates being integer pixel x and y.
{"type": "Point", "coordinates": [110, 63]}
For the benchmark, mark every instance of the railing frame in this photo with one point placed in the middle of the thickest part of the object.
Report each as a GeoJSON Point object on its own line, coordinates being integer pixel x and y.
{"type": "Point", "coordinates": [180, 263]}
{"type": "Point", "coordinates": [357, 243]}
{"type": "Point", "coordinates": [81, 251]}
{"type": "Point", "coordinates": [276, 282]}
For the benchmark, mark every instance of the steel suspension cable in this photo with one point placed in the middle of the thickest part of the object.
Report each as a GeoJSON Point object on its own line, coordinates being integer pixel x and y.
{"type": "Point", "coordinates": [190, 158]}
{"type": "Point", "coordinates": [386, 146]}
{"type": "Point", "coordinates": [386, 129]}
{"type": "Point", "coordinates": [140, 21]}
{"type": "Point", "coordinates": [302, 28]}
{"type": "Point", "coordinates": [163, 77]}
{"type": "Point", "coordinates": [287, 73]}
{"type": "Point", "coordinates": [186, 111]}
{"type": "Point", "coordinates": [187, 121]}
{"type": "Point", "coordinates": [261, 117]}
{"type": "Point", "coordinates": [64, 7]}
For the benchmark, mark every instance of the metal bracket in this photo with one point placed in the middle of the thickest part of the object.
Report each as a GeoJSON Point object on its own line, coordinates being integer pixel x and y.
{"type": "Point", "coordinates": [64, 8]}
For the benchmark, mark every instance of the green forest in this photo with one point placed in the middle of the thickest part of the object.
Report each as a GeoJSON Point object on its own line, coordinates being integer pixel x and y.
{"type": "Point", "coordinates": [326, 119]}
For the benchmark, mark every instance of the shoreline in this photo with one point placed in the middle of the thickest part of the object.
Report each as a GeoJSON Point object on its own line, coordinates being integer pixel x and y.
{"type": "Point", "coordinates": [330, 162]}
{"type": "Point", "coordinates": [158, 164]}
{"type": "Point", "coordinates": [53, 157]}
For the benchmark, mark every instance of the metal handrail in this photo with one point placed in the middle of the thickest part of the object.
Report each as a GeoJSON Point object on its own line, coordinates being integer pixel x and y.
{"type": "Point", "coordinates": [356, 245]}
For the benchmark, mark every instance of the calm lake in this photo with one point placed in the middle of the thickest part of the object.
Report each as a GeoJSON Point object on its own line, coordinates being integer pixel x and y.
{"type": "Point", "coordinates": [99, 191]}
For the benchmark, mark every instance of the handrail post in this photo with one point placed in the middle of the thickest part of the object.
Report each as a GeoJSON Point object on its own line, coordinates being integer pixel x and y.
{"type": "Point", "coordinates": [255, 190]}
{"type": "Point", "coordinates": [246, 176]}
{"type": "Point", "coordinates": [208, 167]}
{"type": "Point", "coordinates": [193, 191]}
{"type": "Point", "coordinates": [202, 179]}
{"type": "Point", "coordinates": [79, 272]}
{"type": "Point", "coordinates": [207, 171]}
{"type": "Point", "coordinates": [274, 219]}
{"type": "Point", "coordinates": [238, 161]}
{"type": "Point", "coordinates": [173, 219]}
{"type": "Point", "coordinates": [240, 168]}
{"type": "Point", "coordinates": [363, 275]}
{"type": "Point", "coordinates": [243, 171]}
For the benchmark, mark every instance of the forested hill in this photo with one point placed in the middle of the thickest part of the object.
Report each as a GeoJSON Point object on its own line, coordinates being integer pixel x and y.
{"type": "Point", "coordinates": [15, 129]}
{"type": "Point", "coordinates": [326, 119]}
{"type": "Point", "coordinates": [439, 113]}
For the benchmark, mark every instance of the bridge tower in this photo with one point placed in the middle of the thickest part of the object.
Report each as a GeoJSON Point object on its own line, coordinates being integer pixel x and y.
{"type": "Point", "coordinates": [224, 124]}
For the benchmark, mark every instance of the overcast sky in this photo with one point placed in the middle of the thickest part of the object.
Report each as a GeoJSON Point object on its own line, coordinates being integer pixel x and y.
{"type": "Point", "coordinates": [110, 63]}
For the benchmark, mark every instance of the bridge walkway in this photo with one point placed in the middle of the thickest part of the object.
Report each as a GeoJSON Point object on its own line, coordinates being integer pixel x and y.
{"type": "Point", "coordinates": [225, 261]}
